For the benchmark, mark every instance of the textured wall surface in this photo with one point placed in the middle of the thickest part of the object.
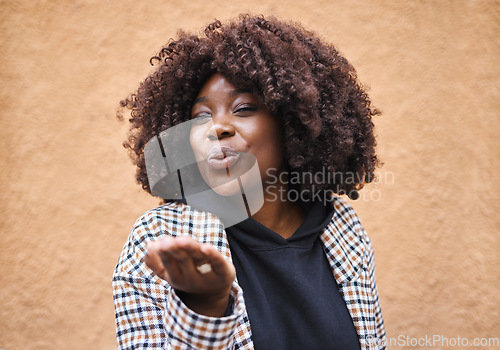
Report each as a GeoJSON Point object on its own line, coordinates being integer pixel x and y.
{"type": "Point", "coordinates": [68, 197]}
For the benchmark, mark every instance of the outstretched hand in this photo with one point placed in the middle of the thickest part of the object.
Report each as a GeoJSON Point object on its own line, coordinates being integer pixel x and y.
{"type": "Point", "coordinates": [177, 260]}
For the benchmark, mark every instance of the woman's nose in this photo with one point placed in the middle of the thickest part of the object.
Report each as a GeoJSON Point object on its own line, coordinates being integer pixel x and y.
{"type": "Point", "coordinates": [223, 127]}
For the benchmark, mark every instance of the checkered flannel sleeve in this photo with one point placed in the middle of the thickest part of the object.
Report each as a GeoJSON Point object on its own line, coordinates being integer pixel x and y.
{"type": "Point", "coordinates": [379, 342]}
{"type": "Point", "coordinates": [355, 266]}
{"type": "Point", "coordinates": [379, 320]}
{"type": "Point", "coordinates": [148, 312]}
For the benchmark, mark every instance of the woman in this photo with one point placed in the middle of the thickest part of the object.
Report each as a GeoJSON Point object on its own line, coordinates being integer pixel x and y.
{"type": "Point", "coordinates": [296, 270]}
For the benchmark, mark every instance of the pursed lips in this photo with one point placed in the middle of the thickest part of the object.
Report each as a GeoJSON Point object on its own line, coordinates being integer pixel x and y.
{"type": "Point", "coordinates": [222, 157]}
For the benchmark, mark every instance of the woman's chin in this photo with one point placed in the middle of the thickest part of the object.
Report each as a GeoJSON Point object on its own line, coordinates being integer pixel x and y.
{"type": "Point", "coordinates": [227, 189]}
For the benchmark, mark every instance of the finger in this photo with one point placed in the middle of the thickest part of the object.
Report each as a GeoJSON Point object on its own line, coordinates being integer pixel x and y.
{"type": "Point", "coordinates": [193, 248]}
{"type": "Point", "coordinates": [155, 262]}
{"type": "Point", "coordinates": [217, 261]}
{"type": "Point", "coordinates": [163, 249]}
{"type": "Point", "coordinates": [183, 259]}
{"type": "Point", "coordinates": [187, 255]}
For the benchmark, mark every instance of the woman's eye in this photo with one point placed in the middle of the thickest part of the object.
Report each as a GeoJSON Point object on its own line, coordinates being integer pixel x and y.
{"type": "Point", "coordinates": [201, 118]}
{"type": "Point", "coordinates": [245, 109]}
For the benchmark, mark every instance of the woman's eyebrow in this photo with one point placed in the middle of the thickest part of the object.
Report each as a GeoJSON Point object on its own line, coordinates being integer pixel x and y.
{"type": "Point", "coordinates": [234, 93]}
{"type": "Point", "coordinates": [199, 99]}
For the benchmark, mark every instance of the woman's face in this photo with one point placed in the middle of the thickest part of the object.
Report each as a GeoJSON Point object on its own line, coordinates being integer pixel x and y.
{"type": "Point", "coordinates": [232, 129]}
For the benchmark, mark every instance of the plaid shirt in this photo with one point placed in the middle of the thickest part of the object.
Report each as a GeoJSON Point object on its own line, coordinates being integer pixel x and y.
{"type": "Point", "coordinates": [149, 314]}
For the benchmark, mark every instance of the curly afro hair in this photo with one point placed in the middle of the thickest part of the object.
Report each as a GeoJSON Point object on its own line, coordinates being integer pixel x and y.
{"type": "Point", "coordinates": [325, 113]}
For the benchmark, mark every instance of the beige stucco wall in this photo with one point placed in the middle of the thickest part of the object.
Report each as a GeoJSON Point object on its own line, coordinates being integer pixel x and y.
{"type": "Point", "coordinates": [68, 196]}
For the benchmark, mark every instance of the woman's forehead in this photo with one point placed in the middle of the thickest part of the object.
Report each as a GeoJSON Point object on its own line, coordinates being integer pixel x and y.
{"type": "Point", "coordinates": [218, 83]}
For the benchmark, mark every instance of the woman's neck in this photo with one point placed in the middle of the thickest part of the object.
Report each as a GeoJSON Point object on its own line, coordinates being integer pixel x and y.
{"type": "Point", "coordinates": [282, 216]}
